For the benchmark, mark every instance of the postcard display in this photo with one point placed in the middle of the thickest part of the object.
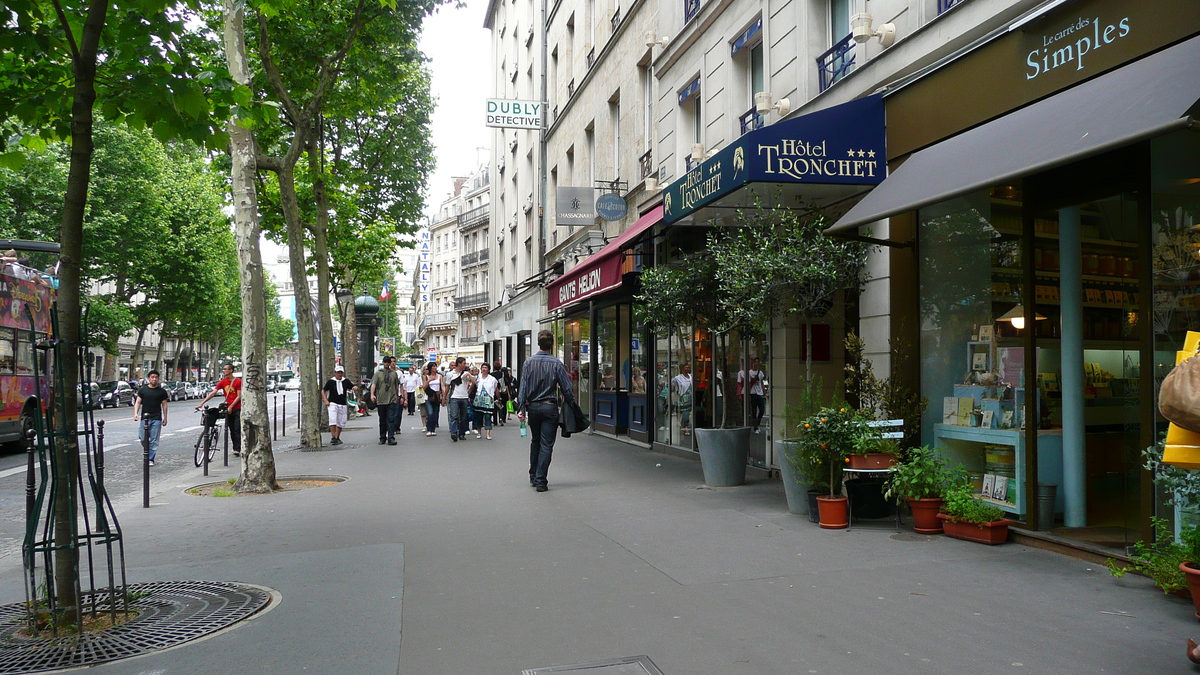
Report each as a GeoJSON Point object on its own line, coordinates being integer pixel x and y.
{"type": "Point", "coordinates": [983, 425]}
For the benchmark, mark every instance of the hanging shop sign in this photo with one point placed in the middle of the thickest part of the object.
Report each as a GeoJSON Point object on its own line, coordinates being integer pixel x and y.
{"type": "Point", "coordinates": [611, 206]}
{"type": "Point", "coordinates": [842, 145]}
{"type": "Point", "coordinates": [574, 206]}
{"type": "Point", "coordinates": [509, 113]}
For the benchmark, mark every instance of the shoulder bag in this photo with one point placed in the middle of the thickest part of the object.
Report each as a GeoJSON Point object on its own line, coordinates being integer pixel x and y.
{"type": "Point", "coordinates": [1179, 397]}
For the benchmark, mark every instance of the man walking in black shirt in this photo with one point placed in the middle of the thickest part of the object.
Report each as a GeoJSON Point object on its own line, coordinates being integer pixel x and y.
{"type": "Point", "coordinates": [150, 408]}
{"type": "Point", "coordinates": [543, 380]}
{"type": "Point", "coordinates": [334, 393]}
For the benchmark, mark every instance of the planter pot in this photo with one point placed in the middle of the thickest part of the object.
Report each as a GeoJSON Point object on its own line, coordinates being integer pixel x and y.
{"type": "Point", "coordinates": [812, 494]}
{"type": "Point", "coordinates": [794, 485]}
{"type": "Point", "coordinates": [723, 455]}
{"type": "Point", "coordinates": [866, 498]}
{"type": "Point", "coordinates": [1193, 579]}
{"type": "Point", "coordinates": [833, 512]}
{"type": "Point", "coordinates": [871, 460]}
{"type": "Point", "coordinates": [995, 532]}
{"type": "Point", "coordinates": [925, 515]}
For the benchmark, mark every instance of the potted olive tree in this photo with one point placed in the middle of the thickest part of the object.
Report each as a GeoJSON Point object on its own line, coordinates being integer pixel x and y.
{"type": "Point", "coordinates": [827, 437]}
{"type": "Point", "coordinates": [684, 293]}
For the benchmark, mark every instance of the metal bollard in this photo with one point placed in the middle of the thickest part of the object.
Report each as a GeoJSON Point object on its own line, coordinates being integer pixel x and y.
{"type": "Point", "coordinates": [225, 439]}
{"type": "Point", "coordinates": [99, 455]}
{"type": "Point", "coordinates": [299, 411]}
{"type": "Point", "coordinates": [275, 418]}
{"type": "Point", "coordinates": [283, 427]}
{"type": "Point", "coordinates": [204, 445]}
{"type": "Point", "coordinates": [30, 480]}
{"type": "Point", "coordinates": [145, 463]}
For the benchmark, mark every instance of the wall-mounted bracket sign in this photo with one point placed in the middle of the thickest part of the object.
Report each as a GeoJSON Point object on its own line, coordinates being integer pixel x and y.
{"type": "Point", "coordinates": [511, 113]}
{"type": "Point", "coordinates": [842, 145]}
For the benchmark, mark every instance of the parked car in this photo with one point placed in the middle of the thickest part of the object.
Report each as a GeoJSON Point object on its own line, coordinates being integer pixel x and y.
{"type": "Point", "coordinates": [95, 395]}
{"type": "Point", "coordinates": [272, 385]}
{"type": "Point", "coordinates": [192, 390]}
{"type": "Point", "coordinates": [177, 391]}
{"type": "Point", "coordinates": [115, 393]}
{"type": "Point", "coordinates": [292, 384]}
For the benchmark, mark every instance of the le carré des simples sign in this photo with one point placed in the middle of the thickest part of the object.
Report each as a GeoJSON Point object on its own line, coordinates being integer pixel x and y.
{"type": "Point", "coordinates": [512, 113]}
{"type": "Point", "coordinates": [844, 144]}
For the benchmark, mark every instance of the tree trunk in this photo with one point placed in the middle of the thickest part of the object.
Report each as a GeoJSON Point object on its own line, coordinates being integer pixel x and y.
{"type": "Point", "coordinates": [135, 363]}
{"type": "Point", "coordinates": [258, 460]}
{"type": "Point", "coordinates": [310, 435]}
{"type": "Point", "coordinates": [350, 342]}
{"type": "Point", "coordinates": [214, 359]}
{"type": "Point", "coordinates": [316, 169]}
{"type": "Point", "coordinates": [66, 562]}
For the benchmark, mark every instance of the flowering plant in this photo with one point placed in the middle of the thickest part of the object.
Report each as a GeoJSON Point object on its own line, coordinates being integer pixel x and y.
{"type": "Point", "coordinates": [827, 438]}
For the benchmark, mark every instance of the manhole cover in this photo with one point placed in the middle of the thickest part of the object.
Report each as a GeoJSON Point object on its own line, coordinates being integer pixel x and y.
{"type": "Point", "coordinates": [629, 665]}
{"type": "Point", "coordinates": [170, 613]}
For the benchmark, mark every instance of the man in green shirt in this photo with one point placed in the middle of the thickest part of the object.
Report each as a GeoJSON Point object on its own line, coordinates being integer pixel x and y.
{"type": "Point", "coordinates": [387, 392]}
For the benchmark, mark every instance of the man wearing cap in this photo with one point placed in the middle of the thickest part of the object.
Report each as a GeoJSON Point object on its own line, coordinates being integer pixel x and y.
{"type": "Point", "coordinates": [387, 391]}
{"type": "Point", "coordinates": [334, 393]}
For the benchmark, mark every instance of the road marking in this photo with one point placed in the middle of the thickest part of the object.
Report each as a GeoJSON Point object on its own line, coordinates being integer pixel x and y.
{"type": "Point", "coordinates": [118, 445]}
{"type": "Point", "coordinates": [187, 429]}
{"type": "Point", "coordinates": [13, 472]}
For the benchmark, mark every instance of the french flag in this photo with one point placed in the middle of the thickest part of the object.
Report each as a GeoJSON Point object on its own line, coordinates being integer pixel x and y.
{"type": "Point", "coordinates": [386, 292]}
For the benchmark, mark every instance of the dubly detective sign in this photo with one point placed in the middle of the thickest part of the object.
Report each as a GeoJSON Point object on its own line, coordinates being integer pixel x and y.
{"type": "Point", "coordinates": [503, 112]}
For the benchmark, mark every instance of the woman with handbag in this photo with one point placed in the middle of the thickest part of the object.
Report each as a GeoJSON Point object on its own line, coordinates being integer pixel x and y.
{"type": "Point", "coordinates": [484, 401]}
{"type": "Point", "coordinates": [431, 384]}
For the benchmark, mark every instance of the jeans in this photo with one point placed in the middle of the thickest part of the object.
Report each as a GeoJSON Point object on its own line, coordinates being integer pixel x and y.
{"type": "Point", "coordinates": [412, 402]}
{"type": "Point", "coordinates": [233, 422]}
{"type": "Point", "coordinates": [543, 429]}
{"type": "Point", "coordinates": [758, 407]}
{"type": "Point", "coordinates": [155, 431]}
{"type": "Point", "coordinates": [431, 416]}
{"type": "Point", "coordinates": [457, 411]}
{"type": "Point", "coordinates": [387, 420]}
{"type": "Point", "coordinates": [483, 419]}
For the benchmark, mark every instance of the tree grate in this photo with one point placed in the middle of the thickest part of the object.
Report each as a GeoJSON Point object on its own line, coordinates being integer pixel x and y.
{"type": "Point", "coordinates": [328, 448]}
{"type": "Point", "coordinates": [170, 613]}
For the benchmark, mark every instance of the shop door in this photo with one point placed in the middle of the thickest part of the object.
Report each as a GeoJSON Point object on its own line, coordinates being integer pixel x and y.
{"type": "Point", "coordinates": [1086, 262]}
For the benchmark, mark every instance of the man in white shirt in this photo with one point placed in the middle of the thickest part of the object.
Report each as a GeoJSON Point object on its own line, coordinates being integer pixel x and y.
{"type": "Point", "coordinates": [683, 392]}
{"type": "Point", "coordinates": [412, 382]}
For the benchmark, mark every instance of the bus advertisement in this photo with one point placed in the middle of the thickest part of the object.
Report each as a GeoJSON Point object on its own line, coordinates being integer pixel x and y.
{"type": "Point", "coordinates": [24, 293]}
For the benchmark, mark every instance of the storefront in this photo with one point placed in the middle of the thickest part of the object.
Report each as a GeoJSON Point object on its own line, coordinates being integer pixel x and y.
{"type": "Point", "coordinates": [1050, 225]}
{"type": "Point", "coordinates": [818, 162]}
{"type": "Point", "coordinates": [600, 333]}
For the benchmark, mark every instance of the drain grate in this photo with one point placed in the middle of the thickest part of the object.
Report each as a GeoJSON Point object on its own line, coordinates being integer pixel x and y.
{"type": "Point", "coordinates": [328, 448]}
{"type": "Point", "coordinates": [170, 613]}
{"type": "Point", "coordinates": [628, 665]}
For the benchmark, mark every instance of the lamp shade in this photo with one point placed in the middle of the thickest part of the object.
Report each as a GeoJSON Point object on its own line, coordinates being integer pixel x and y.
{"type": "Point", "coordinates": [1016, 316]}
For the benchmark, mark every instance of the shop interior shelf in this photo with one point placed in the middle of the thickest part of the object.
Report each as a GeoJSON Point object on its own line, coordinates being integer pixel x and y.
{"type": "Point", "coordinates": [965, 445]}
{"type": "Point", "coordinates": [1046, 274]}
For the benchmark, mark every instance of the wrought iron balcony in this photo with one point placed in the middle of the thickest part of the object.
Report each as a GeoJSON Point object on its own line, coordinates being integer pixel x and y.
{"type": "Point", "coordinates": [591, 58]}
{"type": "Point", "coordinates": [474, 258]}
{"type": "Point", "coordinates": [473, 218]}
{"type": "Point", "coordinates": [439, 320]}
{"type": "Point", "coordinates": [646, 163]}
{"type": "Point", "coordinates": [689, 163]}
{"type": "Point", "coordinates": [473, 301]}
{"type": "Point", "coordinates": [945, 5]}
{"type": "Point", "coordinates": [469, 340]}
{"type": "Point", "coordinates": [836, 63]}
{"type": "Point", "coordinates": [571, 88]}
{"type": "Point", "coordinates": [616, 19]}
{"type": "Point", "coordinates": [690, 9]}
{"type": "Point", "coordinates": [751, 120]}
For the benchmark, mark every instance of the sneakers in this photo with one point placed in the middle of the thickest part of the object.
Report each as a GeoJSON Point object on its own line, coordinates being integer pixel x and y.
{"type": "Point", "coordinates": [476, 433]}
{"type": "Point", "coordinates": [541, 488]}
{"type": "Point", "coordinates": [151, 462]}
{"type": "Point", "coordinates": [332, 441]}
{"type": "Point", "coordinates": [454, 437]}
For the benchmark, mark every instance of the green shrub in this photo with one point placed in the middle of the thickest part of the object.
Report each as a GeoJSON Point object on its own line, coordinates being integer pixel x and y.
{"type": "Point", "coordinates": [960, 503]}
{"type": "Point", "coordinates": [1161, 561]}
{"type": "Point", "coordinates": [921, 475]}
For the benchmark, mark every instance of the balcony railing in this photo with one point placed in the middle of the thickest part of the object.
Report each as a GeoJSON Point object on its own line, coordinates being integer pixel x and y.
{"type": "Point", "coordinates": [616, 19]}
{"type": "Point", "coordinates": [469, 340]}
{"type": "Point", "coordinates": [690, 9]}
{"type": "Point", "coordinates": [945, 5]}
{"type": "Point", "coordinates": [591, 57]}
{"type": "Point", "coordinates": [689, 163]}
{"type": "Point", "coordinates": [441, 319]}
{"type": "Point", "coordinates": [836, 63]}
{"type": "Point", "coordinates": [646, 163]}
{"type": "Point", "coordinates": [474, 257]}
{"type": "Point", "coordinates": [751, 120]}
{"type": "Point", "coordinates": [571, 88]}
{"type": "Point", "coordinates": [474, 217]}
{"type": "Point", "coordinates": [472, 301]}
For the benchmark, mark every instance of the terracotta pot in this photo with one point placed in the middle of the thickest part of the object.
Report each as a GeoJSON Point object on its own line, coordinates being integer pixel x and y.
{"type": "Point", "coordinates": [925, 515]}
{"type": "Point", "coordinates": [1193, 579]}
{"type": "Point", "coordinates": [995, 532]}
{"type": "Point", "coordinates": [871, 460]}
{"type": "Point", "coordinates": [833, 512]}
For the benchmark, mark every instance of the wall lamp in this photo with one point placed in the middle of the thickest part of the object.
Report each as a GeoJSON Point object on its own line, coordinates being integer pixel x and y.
{"type": "Point", "coordinates": [1016, 316]}
{"type": "Point", "coordinates": [763, 104]}
{"type": "Point", "coordinates": [860, 27]}
{"type": "Point", "coordinates": [653, 40]}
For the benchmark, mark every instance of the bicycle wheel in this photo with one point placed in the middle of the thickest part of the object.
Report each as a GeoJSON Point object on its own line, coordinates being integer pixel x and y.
{"type": "Point", "coordinates": [214, 443]}
{"type": "Point", "coordinates": [206, 441]}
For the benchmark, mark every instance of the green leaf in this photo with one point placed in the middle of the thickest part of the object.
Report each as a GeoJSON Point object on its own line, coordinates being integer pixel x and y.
{"type": "Point", "coordinates": [12, 160]}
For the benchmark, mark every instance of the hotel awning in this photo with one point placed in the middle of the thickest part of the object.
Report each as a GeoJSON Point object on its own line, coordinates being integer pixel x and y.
{"type": "Point", "coordinates": [1144, 99]}
{"type": "Point", "coordinates": [819, 158]}
{"type": "Point", "coordinates": [601, 271]}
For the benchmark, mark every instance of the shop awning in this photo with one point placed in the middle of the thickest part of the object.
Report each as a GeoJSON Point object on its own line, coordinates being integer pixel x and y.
{"type": "Point", "coordinates": [842, 148]}
{"type": "Point", "coordinates": [1144, 99]}
{"type": "Point", "coordinates": [601, 271]}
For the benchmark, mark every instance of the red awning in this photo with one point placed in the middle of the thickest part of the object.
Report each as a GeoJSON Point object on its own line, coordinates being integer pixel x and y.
{"type": "Point", "coordinates": [601, 271]}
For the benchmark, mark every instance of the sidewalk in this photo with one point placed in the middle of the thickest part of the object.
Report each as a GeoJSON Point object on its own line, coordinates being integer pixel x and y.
{"type": "Point", "coordinates": [438, 558]}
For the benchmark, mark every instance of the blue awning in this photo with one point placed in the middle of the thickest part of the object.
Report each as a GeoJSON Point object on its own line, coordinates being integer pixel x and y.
{"type": "Point", "coordinates": [844, 145]}
{"type": "Point", "coordinates": [746, 37]}
{"type": "Point", "coordinates": [689, 90]}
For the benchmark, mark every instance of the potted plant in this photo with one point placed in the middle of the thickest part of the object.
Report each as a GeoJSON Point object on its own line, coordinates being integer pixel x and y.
{"type": "Point", "coordinates": [921, 478]}
{"type": "Point", "coordinates": [684, 293]}
{"type": "Point", "coordinates": [796, 483]}
{"type": "Point", "coordinates": [1173, 565]}
{"type": "Point", "coordinates": [872, 451]}
{"type": "Point", "coordinates": [965, 517]}
{"type": "Point", "coordinates": [826, 438]}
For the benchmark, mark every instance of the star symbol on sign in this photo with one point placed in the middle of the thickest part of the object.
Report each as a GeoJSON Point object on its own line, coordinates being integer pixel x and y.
{"type": "Point", "coordinates": [871, 154]}
{"type": "Point", "coordinates": [851, 153]}
{"type": "Point", "coordinates": [861, 153]}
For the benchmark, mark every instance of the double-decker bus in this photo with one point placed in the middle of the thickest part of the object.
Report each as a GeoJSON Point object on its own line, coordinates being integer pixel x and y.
{"type": "Point", "coordinates": [26, 298]}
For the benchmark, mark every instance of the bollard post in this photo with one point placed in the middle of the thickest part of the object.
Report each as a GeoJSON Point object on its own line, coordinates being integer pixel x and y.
{"type": "Point", "coordinates": [299, 412]}
{"type": "Point", "coordinates": [205, 444]}
{"type": "Point", "coordinates": [30, 480]}
{"type": "Point", "coordinates": [275, 418]}
{"type": "Point", "coordinates": [145, 463]}
{"type": "Point", "coordinates": [283, 427]}
{"type": "Point", "coordinates": [225, 438]}
{"type": "Point", "coordinates": [100, 452]}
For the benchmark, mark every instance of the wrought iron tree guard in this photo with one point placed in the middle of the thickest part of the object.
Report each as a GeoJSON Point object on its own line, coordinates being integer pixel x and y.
{"type": "Point", "coordinates": [54, 464]}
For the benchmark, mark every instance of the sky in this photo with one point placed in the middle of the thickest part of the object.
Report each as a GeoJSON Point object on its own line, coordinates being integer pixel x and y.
{"type": "Point", "coordinates": [458, 47]}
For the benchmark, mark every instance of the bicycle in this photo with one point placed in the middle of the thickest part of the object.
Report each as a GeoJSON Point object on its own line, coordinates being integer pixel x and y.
{"type": "Point", "coordinates": [210, 434]}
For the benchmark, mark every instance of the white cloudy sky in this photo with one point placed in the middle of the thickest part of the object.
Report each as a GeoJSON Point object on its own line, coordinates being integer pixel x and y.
{"type": "Point", "coordinates": [458, 47]}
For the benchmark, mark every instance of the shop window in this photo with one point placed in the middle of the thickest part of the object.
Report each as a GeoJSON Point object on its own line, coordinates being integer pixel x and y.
{"type": "Point", "coordinates": [606, 348]}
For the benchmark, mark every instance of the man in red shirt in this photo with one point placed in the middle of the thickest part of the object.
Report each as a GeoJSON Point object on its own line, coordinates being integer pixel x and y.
{"type": "Point", "coordinates": [231, 388]}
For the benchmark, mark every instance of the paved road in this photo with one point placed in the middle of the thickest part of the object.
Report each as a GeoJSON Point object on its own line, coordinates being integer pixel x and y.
{"type": "Point", "coordinates": [123, 471]}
